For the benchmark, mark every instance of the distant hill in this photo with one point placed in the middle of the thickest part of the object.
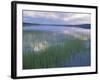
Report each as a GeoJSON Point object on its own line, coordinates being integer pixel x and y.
{"type": "Point", "coordinates": [86, 26]}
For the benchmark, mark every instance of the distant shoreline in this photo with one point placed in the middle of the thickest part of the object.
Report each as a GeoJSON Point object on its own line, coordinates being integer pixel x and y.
{"type": "Point", "coordinates": [86, 26]}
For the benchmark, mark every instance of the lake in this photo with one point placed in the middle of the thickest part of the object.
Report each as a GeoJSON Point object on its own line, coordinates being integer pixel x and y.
{"type": "Point", "coordinates": [55, 46]}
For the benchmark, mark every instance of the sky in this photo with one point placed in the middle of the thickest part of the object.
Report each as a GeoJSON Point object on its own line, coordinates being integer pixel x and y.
{"type": "Point", "coordinates": [65, 18]}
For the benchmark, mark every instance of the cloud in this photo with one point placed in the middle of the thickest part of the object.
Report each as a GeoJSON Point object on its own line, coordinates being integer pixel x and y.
{"type": "Point", "coordinates": [37, 14]}
{"type": "Point", "coordinates": [75, 16]}
{"type": "Point", "coordinates": [28, 13]}
{"type": "Point", "coordinates": [78, 19]}
{"type": "Point", "coordinates": [68, 18]}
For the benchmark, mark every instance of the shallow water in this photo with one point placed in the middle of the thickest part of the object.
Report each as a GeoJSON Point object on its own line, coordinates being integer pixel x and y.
{"type": "Point", "coordinates": [40, 40]}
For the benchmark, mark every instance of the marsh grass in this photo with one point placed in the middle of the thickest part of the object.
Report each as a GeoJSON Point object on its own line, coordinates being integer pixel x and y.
{"type": "Point", "coordinates": [53, 56]}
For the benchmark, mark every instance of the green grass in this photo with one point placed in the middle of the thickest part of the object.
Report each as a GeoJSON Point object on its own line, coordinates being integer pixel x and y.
{"type": "Point", "coordinates": [52, 56]}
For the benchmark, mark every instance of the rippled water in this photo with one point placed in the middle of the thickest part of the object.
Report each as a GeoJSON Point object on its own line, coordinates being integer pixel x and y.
{"type": "Point", "coordinates": [39, 40]}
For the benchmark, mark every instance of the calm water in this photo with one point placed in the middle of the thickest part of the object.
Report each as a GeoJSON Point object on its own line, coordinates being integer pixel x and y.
{"type": "Point", "coordinates": [55, 46]}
